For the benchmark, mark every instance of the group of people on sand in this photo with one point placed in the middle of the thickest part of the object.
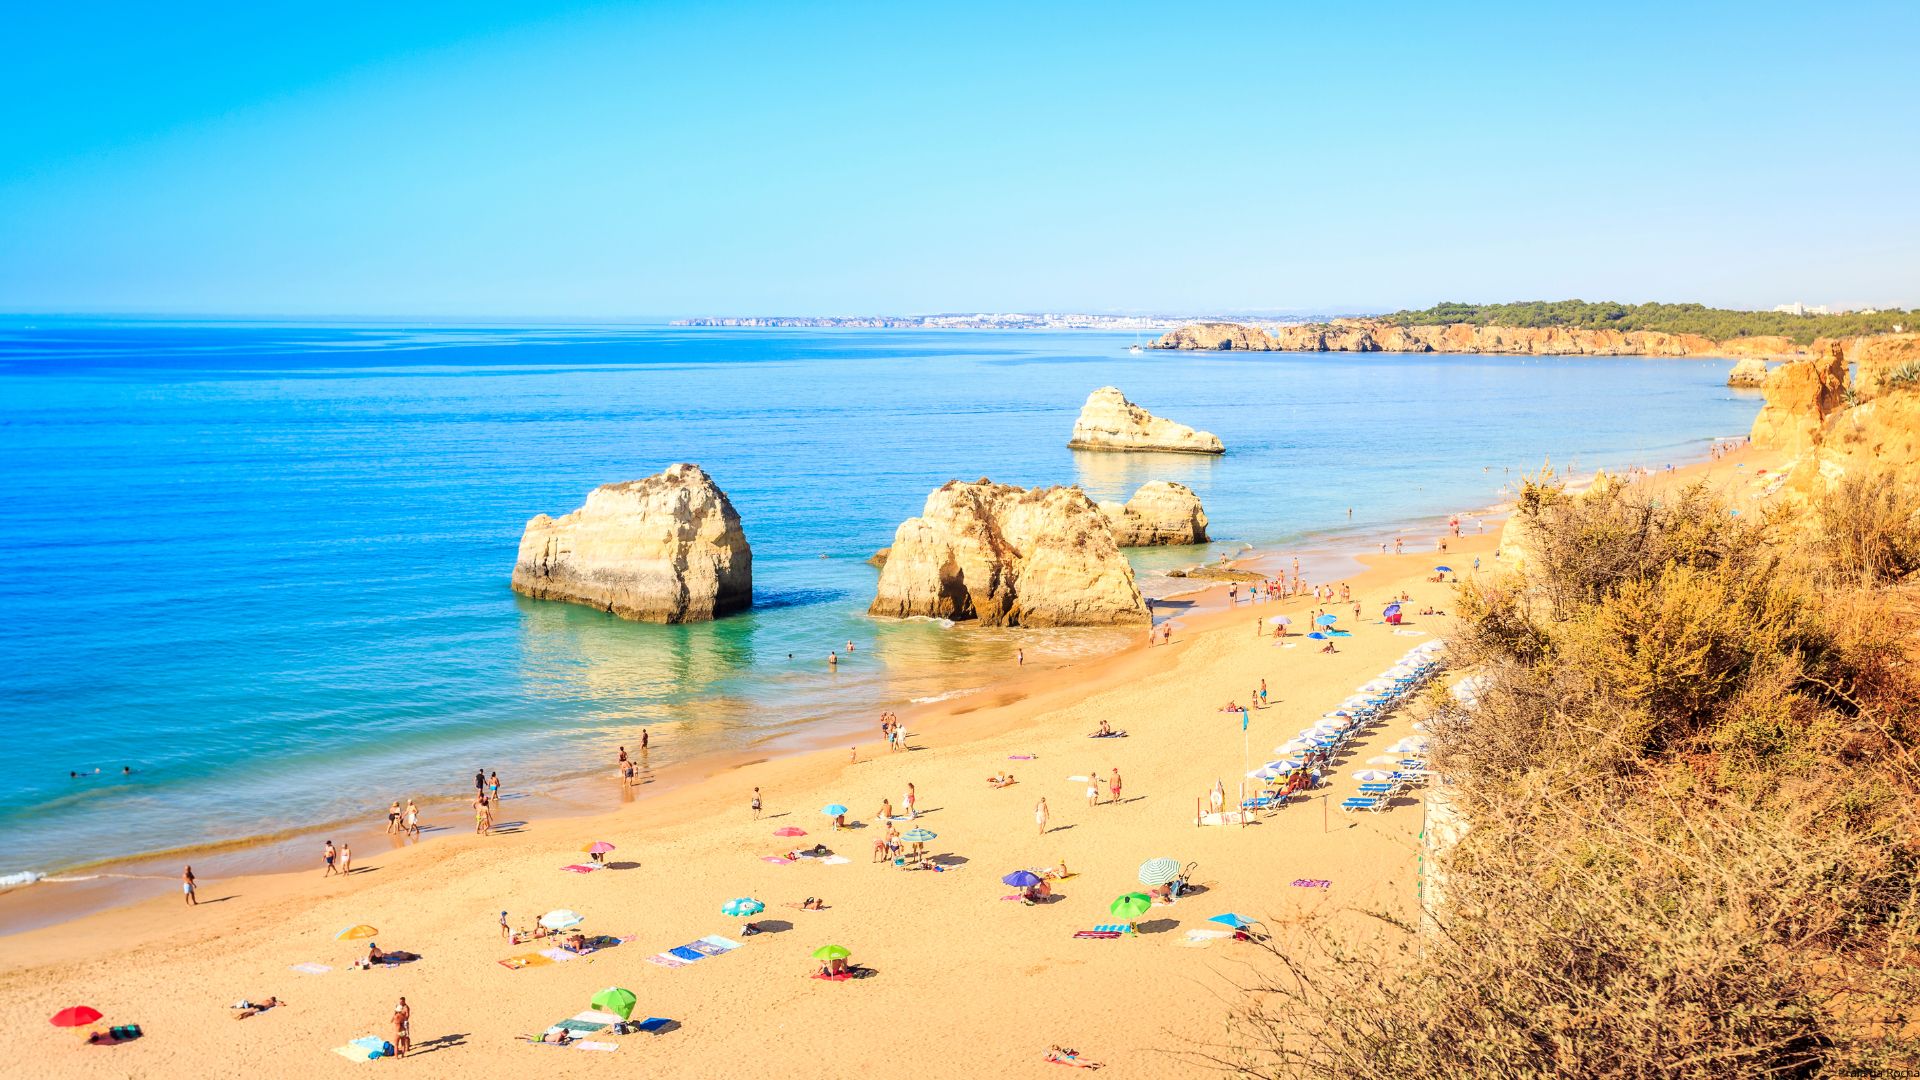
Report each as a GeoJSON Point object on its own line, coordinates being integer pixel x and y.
{"type": "Point", "coordinates": [486, 787]}
{"type": "Point", "coordinates": [629, 770]}
{"type": "Point", "coordinates": [338, 860]}
{"type": "Point", "coordinates": [891, 731]}
{"type": "Point", "coordinates": [1093, 786]}
{"type": "Point", "coordinates": [403, 822]}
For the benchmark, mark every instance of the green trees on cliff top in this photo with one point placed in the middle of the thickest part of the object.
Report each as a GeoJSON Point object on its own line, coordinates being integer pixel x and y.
{"type": "Point", "coordinates": [1716, 323]}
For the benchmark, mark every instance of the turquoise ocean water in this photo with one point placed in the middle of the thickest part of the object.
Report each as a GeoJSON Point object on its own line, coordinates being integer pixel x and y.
{"type": "Point", "coordinates": [266, 565]}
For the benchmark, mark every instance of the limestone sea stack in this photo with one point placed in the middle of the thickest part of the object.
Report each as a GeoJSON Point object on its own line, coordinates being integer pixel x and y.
{"type": "Point", "coordinates": [1750, 373]}
{"type": "Point", "coordinates": [1108, 421]}
{"type": "Point", "coordinates": [999, 555]}
{"type": "Point", "coordinates": [1160, 513]}
{"type": "Point", "coordinates": [666, 549]}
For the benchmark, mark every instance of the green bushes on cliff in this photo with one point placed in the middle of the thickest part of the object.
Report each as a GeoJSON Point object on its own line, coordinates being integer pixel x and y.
{"type": "Point", "coordinates": [1717, 323]}
{"type": "Point", "coordinates": [1690, 786]}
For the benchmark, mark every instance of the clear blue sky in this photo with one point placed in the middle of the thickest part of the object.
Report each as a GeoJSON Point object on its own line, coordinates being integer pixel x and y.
{"type": "Point", "coordinates": [485, 158]}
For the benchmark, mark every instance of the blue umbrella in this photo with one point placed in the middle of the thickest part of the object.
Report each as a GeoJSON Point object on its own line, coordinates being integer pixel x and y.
{"type": "Point", "coordinates": [1238, 922]}
{"type": "Point", "coordinates": [742, 906]}
{"type": "Point", "coordinates": [1326, 620]}
{"type": "Point", "coordinates": [833, 810]}
{"type": "Point", "coordinates": [1317, 636]}
{"type": "Point", "coordinates": [1391, 609]}
{"type": "Point", "coordinates": [1443, 569]}
{"type": "Point", "coordinates": [1022, 879]}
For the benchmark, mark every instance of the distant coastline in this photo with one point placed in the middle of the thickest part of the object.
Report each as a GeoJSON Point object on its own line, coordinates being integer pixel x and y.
{"type": "Point", "coordinates": [961, 321]}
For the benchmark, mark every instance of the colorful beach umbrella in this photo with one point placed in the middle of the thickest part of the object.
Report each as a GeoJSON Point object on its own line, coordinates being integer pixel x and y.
{"type": "Point", "coordinates": [1132, 905]}
{"type": "Point", "coordinates": [616, 1000]}
{"type": "Point", "coordinates": [789, 831]}
{"type": "Point", "coordinates": [1443, 569]}
{"type": "Point", "coordinates": [561, 919]}
{"type": "Point", "coordinates": [833, 809]}
{"type": "Point", "coordinates": [919, 836]}
{"type": "Point", "coordinates": [357, 932]}
{"type": "Point", "coordinates": [831, 952]}
{"type": "Point", "coordinates": [75, 1016]}
{"type": "Point", "coordinates": [1022, 879]}
{"type": "Point", "coordinates": [1159, 871]}
{"type": "Point", "coordinates": [742, 907]}
{"type": "Point", "coordinates": [1238, 922]}
{"type": "Point", "coordinates": [598, 847]}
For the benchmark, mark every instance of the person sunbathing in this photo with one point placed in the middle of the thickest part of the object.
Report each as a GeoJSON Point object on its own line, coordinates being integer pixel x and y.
{"type": "Point", "coordinates": [577, 943]}
{"type": "Point", "coordinates": [1000, 780]}
{"type": "Point", "coordinates": [1063, 1056]}
{"type": "Point", "coordinates": [1228, 707]}
{"type": "Point", "coordinates": [1105, 730]}
{"type": "Point", "coordinates": [811, 903]}
{"type": "Point", "coordinates": [377, 955]}
{"type": "Point", "coordinates": [1056, 873]}
{"type": "Point", "coordinates": [255, 1008]}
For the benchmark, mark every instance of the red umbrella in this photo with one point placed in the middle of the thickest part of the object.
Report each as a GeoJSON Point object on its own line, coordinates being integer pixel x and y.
{"type": "Point", "coordinates": [790, 831]}
{"type": "Point", "coordinates": [75, 1016]}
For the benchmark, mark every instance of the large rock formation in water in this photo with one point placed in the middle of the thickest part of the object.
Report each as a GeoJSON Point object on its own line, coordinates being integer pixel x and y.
{"type": "Point", "coordinates": [1750, 373]}
{"type": "Point", "coordinates": [1374, 335]}
{"type": "Point", "coordinates": [1007, 556]}
{"type": "Point", "coordinates": [665, 549]}
{"type": "Point", "coordinates": [1160, 513]}
{"type": "Point", "coordinates": [1108, 421]}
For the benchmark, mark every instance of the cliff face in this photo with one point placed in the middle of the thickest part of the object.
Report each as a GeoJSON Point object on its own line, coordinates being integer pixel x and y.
{"type": "Point", "coordinates": [1875, 358]}
{"type": "Point", "coordinates": [1108, 421]}
{"type": "Point", "coordinates": [1800, 397]}
{"type": "Point", "coordinates": [1160, 513]}
{"type": "Point", "coordinates": [667, 549]}
{"type": "Point", "coordinates": [1750, 374]}
{"type": "Point", "coordinates": [1008, 556]}
{"type": "Point", "coordinates": [1832, 435]}
{"type": "Point", "coordinates": [1372, 335]}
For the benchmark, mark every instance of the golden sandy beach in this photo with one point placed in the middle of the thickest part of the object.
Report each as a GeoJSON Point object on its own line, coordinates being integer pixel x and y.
{"type": "Point", "coordinates": [965, 982]}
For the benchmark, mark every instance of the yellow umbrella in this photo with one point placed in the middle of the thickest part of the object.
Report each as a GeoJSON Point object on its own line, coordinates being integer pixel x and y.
{"type": "Point", "coordinates": [358, 932]}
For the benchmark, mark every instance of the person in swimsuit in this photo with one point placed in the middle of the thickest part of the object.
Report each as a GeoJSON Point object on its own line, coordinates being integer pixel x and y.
{"type": "Point", "coordinates": [644, 740]}
{"type": "Point", "coordinates": [1114, 786]}
{"type": "Point", "coordinates": [346, 858]}
{"type": "Point", "coordinates": [1040, 815]}
{"type": "Point", "coordinates": [506, 928]}
{"type": "Point", "coordinates": [755, 805]}
{"type": "Point", "coordinates": [393, 817]}
{"type": "Point", "coordinates": [413, 818]}
{"type": "Point", "coordinates": [1093, 789]}
{"type": "Point", "coordinates": [187, 886]}
{"type": "Point", "coordinates": [912, 814]}
{"type": "Point", "coordinates": [330, 855]}
{"type": "Point", "coordinates": [479, 781]}
{"type": "Point", "coordinates": [493, 784]}
{"type": "Point", "coordinates": [402, 1028]}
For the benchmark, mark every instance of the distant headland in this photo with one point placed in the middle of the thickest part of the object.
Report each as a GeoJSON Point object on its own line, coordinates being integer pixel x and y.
{"type": "Point", "coordinates": [977, 321]}
{"type": "Point", "coordinates": [1559, 328]}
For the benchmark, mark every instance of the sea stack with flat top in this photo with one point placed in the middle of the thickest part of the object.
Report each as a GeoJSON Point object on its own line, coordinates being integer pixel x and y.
{"type": "Point", "coordinates": [998, 555]}
{"type": "Point", "coordinates": [665, 549]}
{"type": "Point", "coordinates": [1108, 421]}
{"type": "Point", "coordinates": [1160, 513]}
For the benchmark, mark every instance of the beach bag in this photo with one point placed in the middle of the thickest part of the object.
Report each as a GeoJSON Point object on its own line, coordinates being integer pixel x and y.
{"type": "Point", "coordinates": [386, 1050]}
{"type": "Point", "coordinates": [124, 1031]}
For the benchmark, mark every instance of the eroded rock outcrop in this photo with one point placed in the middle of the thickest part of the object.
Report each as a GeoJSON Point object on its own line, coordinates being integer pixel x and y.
{"type": "Point", "coordinates": [1750, 374]}
{"type": "Point", "coordinates": [1160, 513]}
{"type": "Point", "coordinates": [1108, 421]}
{"type": "Point", "coordinates": [1875, 359]}
{"type": "Point", "coordinates": [1001, 555]}
{"type": "Point", "coordinates": [1801, 395]}
{"type": "Point", "coordinates": [668, 548]}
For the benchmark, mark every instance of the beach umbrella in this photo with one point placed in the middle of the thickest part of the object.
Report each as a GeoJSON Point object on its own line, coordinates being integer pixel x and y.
{"type": "Point", "coordinates": [357, 932]}
{"type": "Point", "coordinates": [1281, 620]}
{"type": "Point", "coordinates": [598, 847]}
{"type": "Point", "coordinates": [742, 906]}
{"type": "Point", "coordinates": [789, 831]}
{"type": "Point", "coordinates": [1238, 922]}
{"type": "Point", "coordinates": [1159, 871]}
{"type": "Point", "coordinates": [1132, 905]}
{"type": "Point", "coordinates": [1443, 569]}
{"type": "Point", "coordinates": [1386, 759]}
{"type": "Point", "coordinates": [833, 809]}
{"type": "Point", "coordinates": [1317, 636]}
{"type": "Point", "coordinates": [1390, 608]}
{"type": "Point", "coordinates": [1326, 620]}
{"type": "Point", "coordinates": [1293, 747]}
{"type": "Point", "coordinates": [617, 1000]}
{"type": "Point", "coordinates": [75, 1016]}
{"type": "Point", "coordinates": [1022, 879]}
{"type": "Point", "coordinates": [919, 836]}
{"type": "Point", "coordinates": [1413, 744]}
{"type": "Point", "coordinates": [1372, 776]}
{"type": "Point", "coordinates": [831, 952]}
{"type": "Point", "coordinates": [561, 919]}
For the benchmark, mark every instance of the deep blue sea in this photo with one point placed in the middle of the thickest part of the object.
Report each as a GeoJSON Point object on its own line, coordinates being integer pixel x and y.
{"type": "Point", "coordinates": [266, 565]}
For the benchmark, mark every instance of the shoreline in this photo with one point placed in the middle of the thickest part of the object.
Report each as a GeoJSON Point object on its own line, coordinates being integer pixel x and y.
{"type": "Point", "coordinates": [106, 885]}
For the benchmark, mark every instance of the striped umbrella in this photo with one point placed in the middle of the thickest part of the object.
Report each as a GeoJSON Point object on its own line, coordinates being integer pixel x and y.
{"type": "Point", "coordinates": [1159, 871]}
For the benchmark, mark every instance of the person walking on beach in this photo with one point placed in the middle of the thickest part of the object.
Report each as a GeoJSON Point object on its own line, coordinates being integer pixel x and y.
{"type": "Point", "coordinates": [1114, 785]}
{"type": "Point", "coordinates": [393, 817]}
{"type": "Point", "coordinates": [413, 818]}
{"type": "Point", "coordinates": [187, 886]}
{"type": "Point", "coordinates": [1093, 788]}
{"type": "Point", "coordinates": [1040, 815]}
{"type": "Point", "coordinates": [331, 855]}
{"type": "Point", "coordinates": [1218, 797]}
{"type": "Point", "coordinates": [506, 927]}
{"type": "Point", "coordinates": [1263, 693]}
{"type": "Point", "coordinates": [493, 785]}
{"type": "Point", "coordinates": [907, 804]}
{"type": "Point", "coordinates": [1020, 657]}
{"type": "Point", "coordinates": [755, 805]}
{"type": "Point", "coordinates": [346, 858]}
{"type": "Point", "coordinates": [482, 815]}
{"type": "Point", "coordinates": [402, 1028]}
{"type": "Point", "coordinates": [479, 781]}
{"type": "Point", "coordinates": [645, 740]}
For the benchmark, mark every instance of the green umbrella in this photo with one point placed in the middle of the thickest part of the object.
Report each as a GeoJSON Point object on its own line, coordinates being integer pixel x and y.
{"type": "Point", "coordinates": [615, 1000]}
{"type": "Point", "coordinates": [830, 952]}
{"type": "Point", "coordinates": [1132, 906]}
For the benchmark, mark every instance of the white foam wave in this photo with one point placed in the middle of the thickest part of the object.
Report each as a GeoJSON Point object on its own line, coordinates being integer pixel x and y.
{"type": "Point", "coordinates": [944, 697]}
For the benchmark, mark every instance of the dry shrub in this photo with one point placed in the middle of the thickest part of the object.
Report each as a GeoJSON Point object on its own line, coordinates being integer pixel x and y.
{"type": "Point", "coordinates": [1870, 529]}
{"type": "Point", "coordinates": [1691, 783]}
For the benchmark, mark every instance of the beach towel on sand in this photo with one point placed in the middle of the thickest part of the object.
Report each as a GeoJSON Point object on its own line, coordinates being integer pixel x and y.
{"type": "Point", "coordinates": [666, 960]}
{"type": "Point", "coordinates": [726, 944]}
{"type": "Point", "coordinates": [580, 868]}
{"type": "Point", "coordinates": [558, 955]}
{"type": "Point", "coordinates": [364, 1048]}
{"type": "Point", "coordinates": [706, 948]}
{"type": "Point", "coordinates": [775, 860]}
{"type": "Point", "coordinates": [684, 953]}
{"type": "Point", "coordinates": [524, 960]}
{"type": "Point", "coordinates": [311, 968]}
